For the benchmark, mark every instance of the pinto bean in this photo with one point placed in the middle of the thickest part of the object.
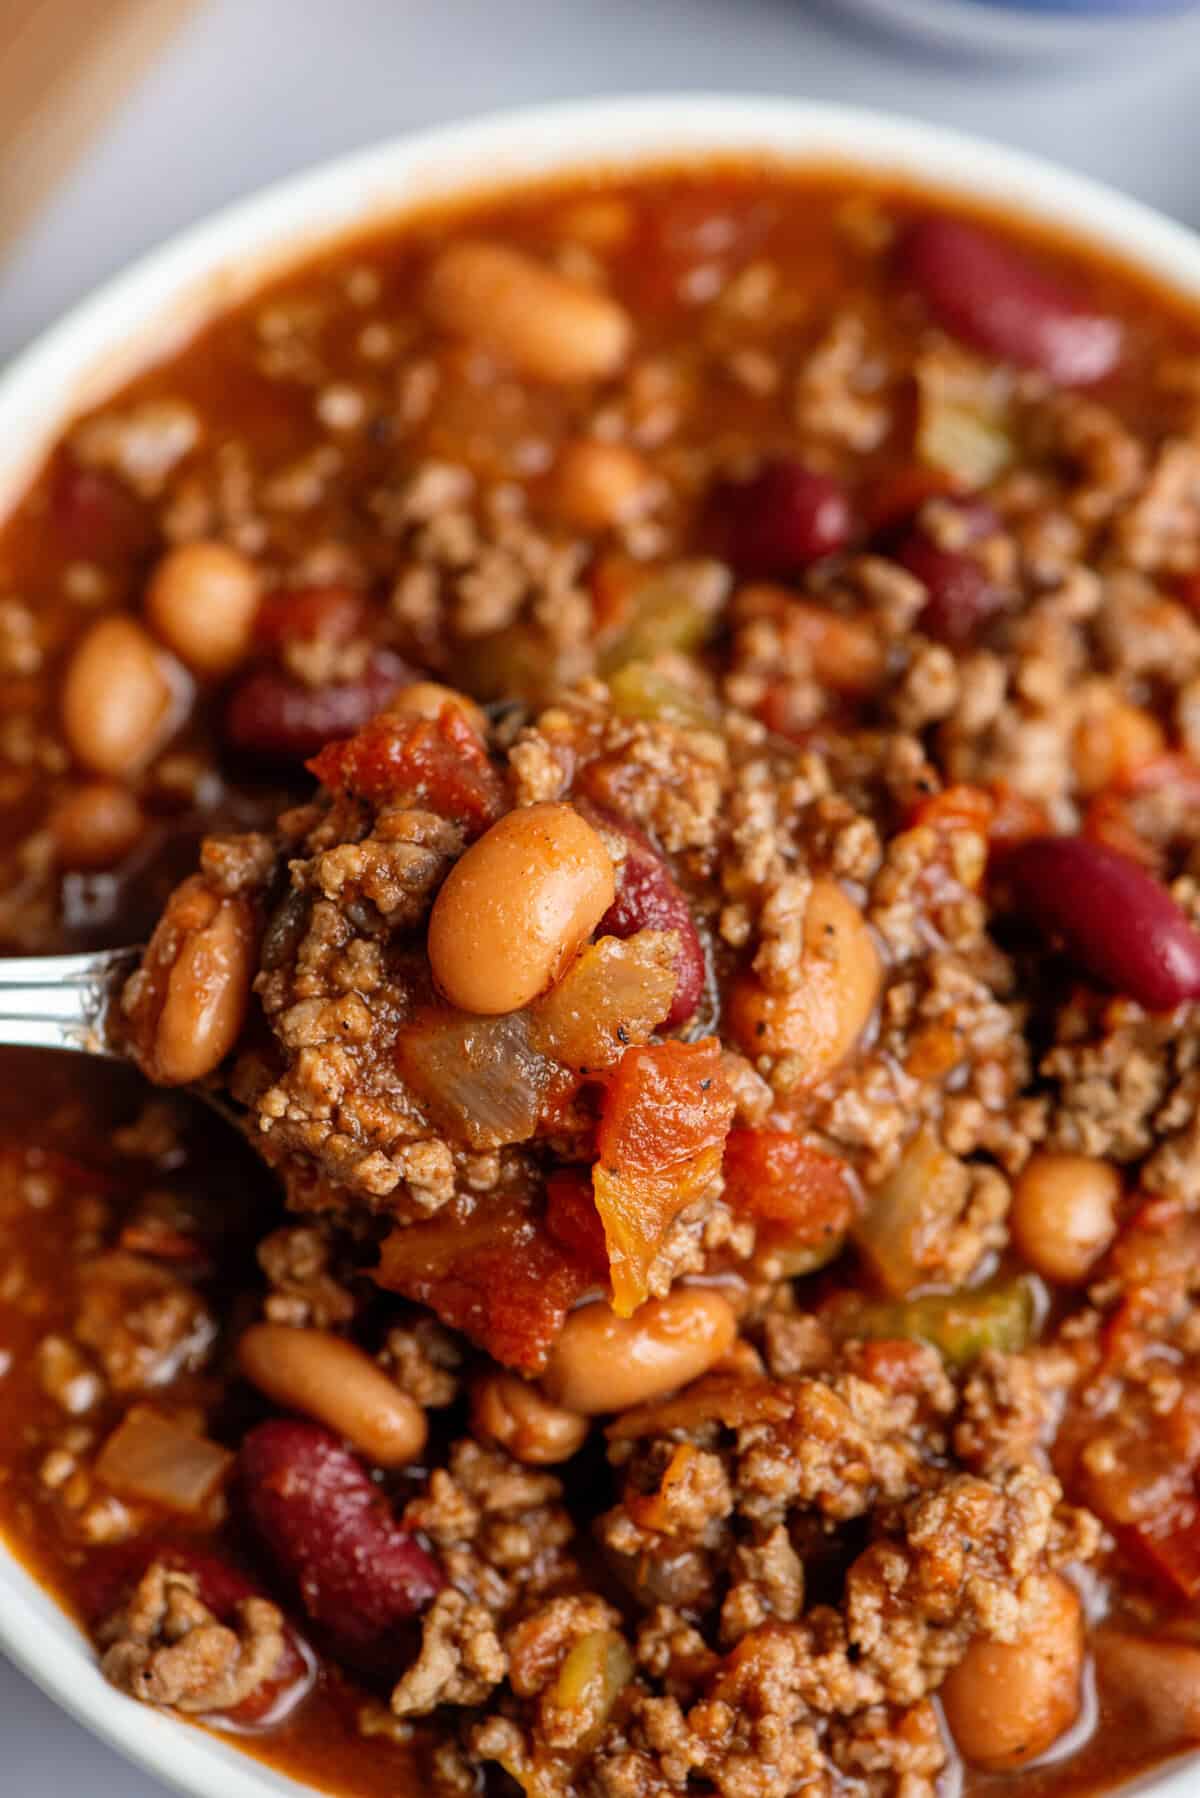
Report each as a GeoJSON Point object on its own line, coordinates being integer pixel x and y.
{"type": "Point", "coordinates": [818, 1021]}
{"type": "Point", "coordinates": [517, 907]}
{"type": "Point", "coordinates": [1007, 1702]}
{"type": "Point", "coordinates": [187, 1002]}
{"type": "Point", "coordinates": [118, 700]}
{"type": "Point", "coordinates": [599, 485]}
{"type": "Point", "coordinates": [328, 1379]}
{"type": "Point", "coordinates": [96, 825]}
{"type": "Point", "coordinates": [602, 1362]}
{"type": "Point", "coordinates": [988, 293]}
{"type": "Point", "coordinates": [512, 1412]}
{"type": "Point", "coordinates": [548, 326]}
{"type": "Point", "coordinates": [1064, 1214]}
{"type": "Point", "coordinates": [1115, 919]}
{"type": "Point", "coordinates": [201, 602]}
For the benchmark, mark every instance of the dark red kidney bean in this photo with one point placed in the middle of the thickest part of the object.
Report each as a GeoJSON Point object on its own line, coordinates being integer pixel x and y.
{"type": "Point", "coordinates": [276, 718]}
{"type": "Point", "coordinates": [987, 293]}
{"type": "Point", "coordinates": [781, 520]}
{"type": "Point", "coordinates": [95, 516]}
{"type": "Point", "coordinates": [220, 1586]}
{"type": "Point", "coordinates": [1114, 918]}
{"type": "Point", "coordinates": [359, 1573]}
{"type": "Point", "coordinates": [961, 596]}
{"type": "Point", "coordinates": [650, 898]}
{"type": "Point", "coordinates": [328, 614]}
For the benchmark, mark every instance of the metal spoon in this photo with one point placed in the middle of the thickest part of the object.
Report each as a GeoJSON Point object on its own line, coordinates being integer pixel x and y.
{"type": "Point", "coordinates": [63, 1001]}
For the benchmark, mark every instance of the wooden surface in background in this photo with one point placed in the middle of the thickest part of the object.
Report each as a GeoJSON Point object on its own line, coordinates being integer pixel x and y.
{"type": "Point", "coordinates": [64, 67]}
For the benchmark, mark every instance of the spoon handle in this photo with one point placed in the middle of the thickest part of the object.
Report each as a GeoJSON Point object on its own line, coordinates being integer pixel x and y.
{"type": "Point", "coordinates": [62, 1001]}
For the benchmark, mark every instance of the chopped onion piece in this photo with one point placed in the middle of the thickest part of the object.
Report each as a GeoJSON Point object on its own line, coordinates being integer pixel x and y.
{"type": "Point", "coordinates": [612, 995]}
{"type": "Point", "coordinates": [152, 1458]}
{"type": "Point", "coordinates": [480, 1077]}
{"type": "Point", "coordinates": [906, 1216]}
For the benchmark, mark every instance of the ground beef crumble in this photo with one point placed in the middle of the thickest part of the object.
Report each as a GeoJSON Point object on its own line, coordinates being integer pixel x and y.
{"type": "Point", "coordinates": [167, 1648]}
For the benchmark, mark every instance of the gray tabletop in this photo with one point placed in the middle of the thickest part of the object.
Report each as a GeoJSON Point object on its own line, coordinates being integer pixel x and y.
{"type": "Point", "coordinates": [256, 88]}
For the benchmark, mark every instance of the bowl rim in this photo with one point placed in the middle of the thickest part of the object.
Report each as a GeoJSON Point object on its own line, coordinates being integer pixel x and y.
{"type": "Point", "coordinates": [141, 315]}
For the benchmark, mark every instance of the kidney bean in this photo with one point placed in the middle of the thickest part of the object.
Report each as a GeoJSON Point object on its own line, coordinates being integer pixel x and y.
{"type": "Point", "coordinates": [276, 718]}
{"type": "Point", "coordinates": [1118, 921]}
{"type": "Point", "coordinates": [988, 294]}
{"type": "Point", "coordinates": [222, 1587]}
{"type": "Point", "coordinates": [360, 1574]}
{"type": "Point", "coordinates": [780, 520]}
{"type": "Point", "coordinates": [961, 596]}
{"type": "Point", "coordinates": [95, 516]}
{"type": "Point", "coordinates": [333, 613]}
{"type": "Point", "coordinates": [650, 898]}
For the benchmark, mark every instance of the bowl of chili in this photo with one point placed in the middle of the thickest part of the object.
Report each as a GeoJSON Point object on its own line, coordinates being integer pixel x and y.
{"type": "Point", "coordinates": [600, 280]}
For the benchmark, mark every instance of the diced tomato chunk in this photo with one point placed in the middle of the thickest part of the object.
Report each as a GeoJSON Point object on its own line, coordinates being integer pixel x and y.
{"type": "Point", "coordinates": [663, 1123]}
{"type": "Point", "coordinates": [438, 762]}
{"type": "Point", "coordinates": [895, 1364]}
{"type": "Point", "coordinates": [496, 1274]}
{"type": "Point", "coordinates": [1015, 818]}
{"type": "Point", "coordinates": [1170, 1547]}
{"type": "Point", "coordinates": [961, 807]}
{"type": "Point", "coordinates": [897, 497]}
{"type": "Point", "coordinates": [1188, 589]}
{"type": "Point", "coordinates": [573, 1220]}
{"type": "Point", "coordinates": [801, 1194]}
{"type": "Point", "coordinates": [1159, 1243]}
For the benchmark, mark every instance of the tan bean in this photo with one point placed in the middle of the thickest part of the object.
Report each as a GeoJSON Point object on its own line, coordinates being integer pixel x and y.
{"type": "Point", "coordinates": [517, 908]}
{"type": "Point", "coordinates": [844, 653]}
{"type": "Point", "coordinates": [603, 1363]}
{"type": "Point", "coordinates": [201, 602]}
{"type": "Point", "coordinates": [602, 223]}
{"type": "Point", "coordinates": [1112, 740]}
{"type": "Point", "coordinates": [817, 1022]}
{"type": "Point", "coordinates": [96, 825]}
{"type": "Point", "coordinates": [1007, 1702]}
{"type": "Point", "coordinates": [327, 1378]}
{"type": "Point", "coordinates": [118, 700]}
{"type": "Point", "coordinates": [187, 1003]}
{"type": "Point", "coordinates": [508, 1410]}
{"type": "Point", "coordinates": [599, 485]}
{"type": "Point", "coordinates": [1064, 1214]}
{"type": "Point", "coordinates": [546, 325]}
{"type": "Point", "coordinates": [428, 699]}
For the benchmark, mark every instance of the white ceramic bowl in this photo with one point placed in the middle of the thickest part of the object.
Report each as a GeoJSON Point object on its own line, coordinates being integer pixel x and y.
{"type": "Point", "coordinates": [145, 314]}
